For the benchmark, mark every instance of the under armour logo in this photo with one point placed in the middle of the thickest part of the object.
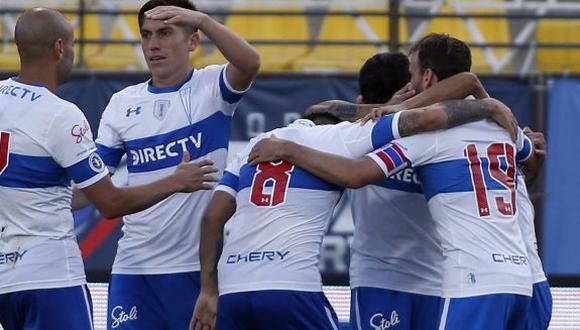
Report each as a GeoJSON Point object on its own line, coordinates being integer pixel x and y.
{"type": "Point", "coordinates": [136, 111]}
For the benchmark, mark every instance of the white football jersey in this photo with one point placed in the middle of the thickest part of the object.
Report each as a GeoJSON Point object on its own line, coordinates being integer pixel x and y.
{"type": "Point", "coordinates": [468, 175]}
{"type": "Point", "coordinates": [526, 222]}
{"type": "Point", "coordinates": [283, 211]}
{"type": "Point", "coordinates": [44, 143]}
{"type": "Point", "coordinates": [395, 244]}
{"type": "Point", "coordinates": [153, 127]}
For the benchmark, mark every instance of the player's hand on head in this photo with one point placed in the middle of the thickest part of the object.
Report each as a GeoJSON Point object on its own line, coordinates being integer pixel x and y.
{"type": "Point", "coordinates": [200, 175]}
{"type": "Point", "coordinates": [205, 311]}
{"type": "Point", "coordinates": [266, 150]}
{"type": "Point", "coordinates": [402, 95]}
{"type": "Point", "coordinates": [177, 15]}
{"type": "Point", "coordinates": [504, 117]}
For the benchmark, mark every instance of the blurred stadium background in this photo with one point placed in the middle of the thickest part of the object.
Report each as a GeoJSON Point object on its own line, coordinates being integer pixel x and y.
{"type": "Point", "coordinates": [527, 53]}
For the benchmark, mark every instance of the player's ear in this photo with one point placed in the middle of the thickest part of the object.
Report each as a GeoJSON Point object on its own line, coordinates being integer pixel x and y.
{"type": "Point", "coordinates": [193, 41]}
{"type": "Point", "coordinates": [429, 78]}
{"type": "Point", "coordinates": [58, 48]}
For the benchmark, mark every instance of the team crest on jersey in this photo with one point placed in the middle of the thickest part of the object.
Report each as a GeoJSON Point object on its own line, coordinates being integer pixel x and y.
{"type": "Point", "coordinates": [160, 109]}
{"type": "Point", "coordinates": [96, 163]}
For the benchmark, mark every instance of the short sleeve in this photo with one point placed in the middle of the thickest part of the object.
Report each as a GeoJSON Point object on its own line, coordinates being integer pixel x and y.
{"type": "Point", "coordinates": [229, 182]}
{"type": "Point", "coordinates": [109, 143]}
{"type": "Point", "coordinates": [359, 140]}
{"type": "Point", "coordinates": [412, 151]}
{"type": "Point", "coordinates": [524, 147]}
{"type": "Point", "coordinates": [215, 76]}
{"type": "Point", "coordinates": [72, 147]}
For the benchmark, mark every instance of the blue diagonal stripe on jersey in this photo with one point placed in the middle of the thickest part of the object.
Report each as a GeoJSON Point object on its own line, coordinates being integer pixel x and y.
{"type": "Point", "coordinates": [111, 156]}
{"type": "Point", "coordinates": [382, 132]}
{"type": "Point", "coordinates": [299, 179]}
{"type": "Point", "coordinates": [163, 150]}
{"type": "Point", "coordinates": [453, 176]}
{"type": "Point", "coordinates": [230, 180]}
{"type": "Point", "coordinates": [33, 172]}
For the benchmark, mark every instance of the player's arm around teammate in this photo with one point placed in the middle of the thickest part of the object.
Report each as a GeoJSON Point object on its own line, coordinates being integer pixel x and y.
{"type": "Point", "coordinates": [244, 59]}
{"type": "Point", "coordinates": [438, 116]}
{"type": "Point", "coordinates": [458, 86]}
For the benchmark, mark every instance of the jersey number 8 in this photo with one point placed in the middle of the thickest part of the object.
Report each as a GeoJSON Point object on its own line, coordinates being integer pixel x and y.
{"type": "Point", "coordinates": [505, 177]}
{"type": "Point", "coordinates": [270, 184]}
{"type": "Point", "coordinates": [4, 145]}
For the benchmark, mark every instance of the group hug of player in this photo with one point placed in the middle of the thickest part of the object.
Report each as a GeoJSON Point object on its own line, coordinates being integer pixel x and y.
{"type": "Point", "coordinates": [444, 233]}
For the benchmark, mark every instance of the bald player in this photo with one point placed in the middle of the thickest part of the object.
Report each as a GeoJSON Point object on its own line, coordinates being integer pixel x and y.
{"type": "Point", "coordinates": [45, 142]}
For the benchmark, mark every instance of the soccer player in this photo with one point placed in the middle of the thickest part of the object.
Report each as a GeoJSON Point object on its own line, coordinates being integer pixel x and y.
{"type": "Point", "coordinates": [268, 271]}
{"type": "Point", "coordinates": [156, 270]}
{"type": "Point", "coordinates": [44, 143]}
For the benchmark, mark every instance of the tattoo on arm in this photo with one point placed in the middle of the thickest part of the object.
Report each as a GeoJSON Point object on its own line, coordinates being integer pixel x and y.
{"type": "Point", "coordinates": [443, 115]}
{"type": "Point", "coordinates": [345, 110]}
{"type": "Point", "coordinates": [465, 111]}
{"type": "Point", "coordinates": [409, 123]}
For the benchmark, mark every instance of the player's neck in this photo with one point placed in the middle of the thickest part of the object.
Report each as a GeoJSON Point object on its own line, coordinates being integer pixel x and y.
{"type": "Point", "coordinates": [175, 79]}
{"type": "Point", "coordinates": [32, 75]}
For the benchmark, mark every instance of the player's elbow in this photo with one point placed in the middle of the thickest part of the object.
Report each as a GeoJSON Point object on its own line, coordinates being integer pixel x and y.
{"type": "Point", "coordinates": [253, 63]}
{"type": "Point", "coordinates": [471, 80]}
{"type": "Point", "coordinates": [113, 206]}
{"type": "Point", "coordinates": [356, 180]}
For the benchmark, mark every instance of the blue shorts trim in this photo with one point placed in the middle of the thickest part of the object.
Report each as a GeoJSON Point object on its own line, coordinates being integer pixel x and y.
{"type": "Point", "coordinates": [47, 309]}
{"type": "Point", "coordinates": [275, 309]}
{"type": "Point", "coordinates": [163, 301]}
{"type": "Point", "coordinates": [495, 311]}
{"type": "Point", "coordinates": [540, 312]}
{"type": "Point", "coordinates": [375, 308]}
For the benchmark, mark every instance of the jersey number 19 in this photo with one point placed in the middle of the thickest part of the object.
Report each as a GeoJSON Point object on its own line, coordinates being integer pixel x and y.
{"type": "Point", "coordinates": [505, 177]}
{"type": "Point", "coordinates": [4, 145]}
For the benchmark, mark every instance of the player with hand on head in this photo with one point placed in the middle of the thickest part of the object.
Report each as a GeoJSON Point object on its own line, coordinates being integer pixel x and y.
{"type": "Point", "coordinates": [44, 143]}
{"type": "Point", "coordinates": [180, 109]}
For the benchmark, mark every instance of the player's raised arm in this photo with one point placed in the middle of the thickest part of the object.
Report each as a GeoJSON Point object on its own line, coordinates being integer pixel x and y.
{"type": "Point", "coordinates": [455, 87]}
{"type": "Point", "coordinates": [113, 202]}
{"type": "Point", "coordinates": [220, 209]}
{"type": "Point", "coordinates": [243, 58]}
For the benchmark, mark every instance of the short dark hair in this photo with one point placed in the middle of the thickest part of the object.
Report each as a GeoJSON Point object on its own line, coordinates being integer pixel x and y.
{"type": "Point", "coordinates": [156, 3]}
{"type": "Point", "coordinates": [382, 75]}
{"type": "Point", "coordinates": [443, 54]}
